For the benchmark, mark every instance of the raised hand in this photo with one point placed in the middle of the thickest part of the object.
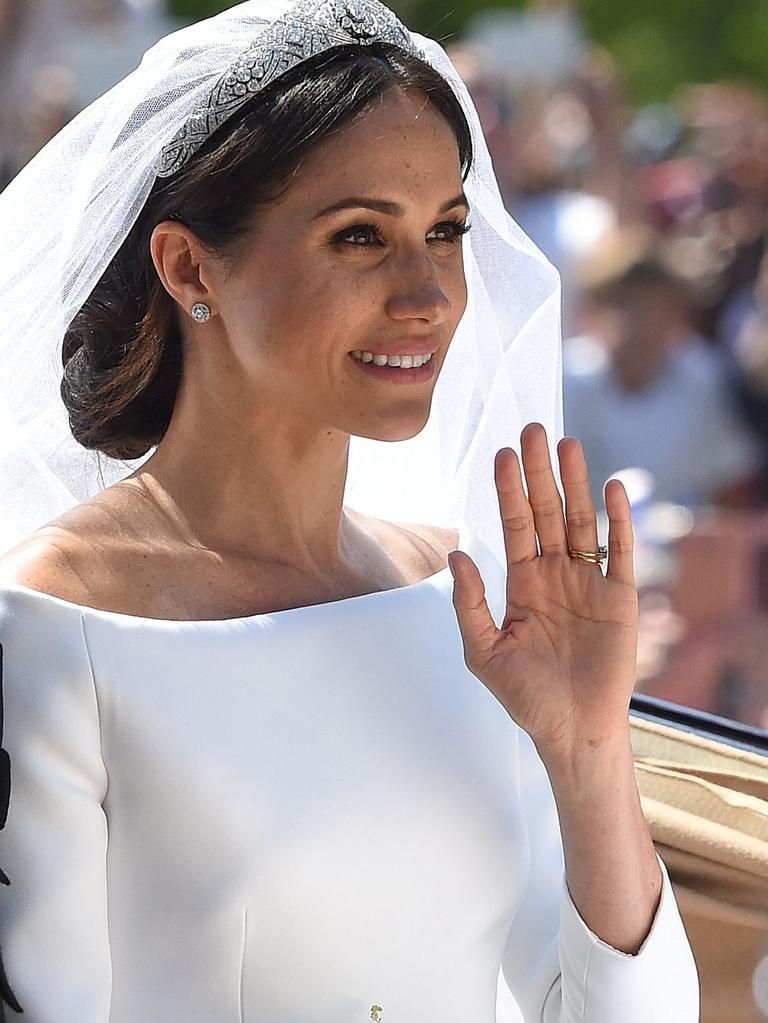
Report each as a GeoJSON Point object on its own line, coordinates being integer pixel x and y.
{"type": "Point", "coordinates": [563, 662]}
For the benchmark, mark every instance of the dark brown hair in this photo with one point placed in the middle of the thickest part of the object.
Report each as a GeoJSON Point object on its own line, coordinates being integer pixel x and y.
{"type": "Point", "coordinates": [122, 354]}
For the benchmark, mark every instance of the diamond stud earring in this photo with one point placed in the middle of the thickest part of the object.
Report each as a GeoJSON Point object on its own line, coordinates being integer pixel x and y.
{"type": "Point", "coordinates": [201, 312]}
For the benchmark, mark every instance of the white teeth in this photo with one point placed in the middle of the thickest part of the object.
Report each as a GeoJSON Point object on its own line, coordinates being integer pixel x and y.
{"type": "Point", "coordinates": [402, 361]}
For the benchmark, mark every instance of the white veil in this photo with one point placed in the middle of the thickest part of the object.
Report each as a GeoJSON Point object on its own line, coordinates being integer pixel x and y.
{"type": "Point", "coordinates": [65, 216]}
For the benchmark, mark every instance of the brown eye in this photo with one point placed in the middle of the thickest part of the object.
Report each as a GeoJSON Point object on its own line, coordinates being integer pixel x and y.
{"type": "Point", "coordinates": [450, 230]}
{"type": "Point", "coordinates": [360, 236]}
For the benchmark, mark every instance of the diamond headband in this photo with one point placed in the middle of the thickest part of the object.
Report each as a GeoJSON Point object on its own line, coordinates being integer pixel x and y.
{"type": "Point", "coordinates": [308, 28]}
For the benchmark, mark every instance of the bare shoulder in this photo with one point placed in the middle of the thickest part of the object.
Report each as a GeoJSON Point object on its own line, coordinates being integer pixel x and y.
{"type": "Point", "coordinates": [437, 539]}
{"type": "Point", "coordinates": [45, 562]}
{"type": "Point", "coordinates": [422, 549]}
{"type": "Point", "coordinates": [64, 558]}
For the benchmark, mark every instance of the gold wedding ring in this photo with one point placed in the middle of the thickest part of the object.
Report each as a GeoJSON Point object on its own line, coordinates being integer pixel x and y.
{"type": "Point", "coordinates": [593, 557]}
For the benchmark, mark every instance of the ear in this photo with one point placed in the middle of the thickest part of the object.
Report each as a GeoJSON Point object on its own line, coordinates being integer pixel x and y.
{"type": "Point", "coordinates": [183, 263]}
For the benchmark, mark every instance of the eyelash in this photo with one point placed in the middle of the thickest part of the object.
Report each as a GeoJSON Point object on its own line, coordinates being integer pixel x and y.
{"type": "Point", "coordinates": [457, 228]}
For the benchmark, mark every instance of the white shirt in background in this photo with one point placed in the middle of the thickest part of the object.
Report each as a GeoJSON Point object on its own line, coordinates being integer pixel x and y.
{"type": "Point", "coordinates": [682, 429]}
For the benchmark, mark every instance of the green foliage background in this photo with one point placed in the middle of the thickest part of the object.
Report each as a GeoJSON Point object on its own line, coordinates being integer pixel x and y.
{"type": "Point", "coordinates": [658, 43]}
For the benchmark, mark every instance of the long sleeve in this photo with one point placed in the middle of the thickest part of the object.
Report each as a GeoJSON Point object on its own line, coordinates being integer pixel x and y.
{"type": "Point", "coordinates": [556, 970]}
{"type": "Point", "coordinates": [53, 913]}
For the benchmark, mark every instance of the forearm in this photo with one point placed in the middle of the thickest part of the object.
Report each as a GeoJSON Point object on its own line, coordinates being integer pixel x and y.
{"type": "Point", "coordinates": [610, 863]}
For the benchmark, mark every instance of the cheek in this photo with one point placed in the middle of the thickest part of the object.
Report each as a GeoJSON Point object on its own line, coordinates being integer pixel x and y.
{"type": "Point", "coordinates": [279, 304]}
{"type": "Point", "coordinates": [463, 292]}
{"type": "Point", "coordinates": [300, 324]}
{"type": "Point", "coordinates": [458, 293]}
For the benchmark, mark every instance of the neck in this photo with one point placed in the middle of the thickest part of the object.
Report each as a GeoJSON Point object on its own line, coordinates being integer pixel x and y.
{"type": "Point", "coordinates": [262, 485]}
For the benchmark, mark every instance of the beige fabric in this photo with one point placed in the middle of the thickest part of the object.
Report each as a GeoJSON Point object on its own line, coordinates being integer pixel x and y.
{"type": "Point", "coordinates": [707, 807]}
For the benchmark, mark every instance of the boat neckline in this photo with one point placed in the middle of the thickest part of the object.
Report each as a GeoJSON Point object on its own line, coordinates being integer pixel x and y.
{"type": "Point", "coordinates": [241, 619]}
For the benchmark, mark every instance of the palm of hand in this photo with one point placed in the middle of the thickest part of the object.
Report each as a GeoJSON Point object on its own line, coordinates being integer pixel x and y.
{"type": "Point", "coordinates": [563, 662]}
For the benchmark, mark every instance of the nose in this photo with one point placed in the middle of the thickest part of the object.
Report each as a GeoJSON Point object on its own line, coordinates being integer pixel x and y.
{"type": "Point", "coordinates": [417, 293]}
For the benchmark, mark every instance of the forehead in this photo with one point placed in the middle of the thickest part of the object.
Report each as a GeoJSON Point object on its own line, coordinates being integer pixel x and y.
{"type": "Point", "coordinates": [400, 148]}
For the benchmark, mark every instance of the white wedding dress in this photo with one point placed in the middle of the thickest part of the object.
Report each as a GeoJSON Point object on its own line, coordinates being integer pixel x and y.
{"type": "Point", "coordinates": [312, 816]}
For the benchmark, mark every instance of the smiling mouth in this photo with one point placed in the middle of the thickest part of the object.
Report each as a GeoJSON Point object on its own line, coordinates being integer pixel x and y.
{"type": "Point", "coordinates": [396, 361]}
{"type": "Point", "coordinates": [396, 369]}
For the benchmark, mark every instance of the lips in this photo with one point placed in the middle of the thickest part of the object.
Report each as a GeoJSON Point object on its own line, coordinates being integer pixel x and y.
{"type": "Point", "coordinates": [395, 375]}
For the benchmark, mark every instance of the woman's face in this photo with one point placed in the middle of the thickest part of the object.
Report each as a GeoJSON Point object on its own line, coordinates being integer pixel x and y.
{"type": "Point", "coordinates": [363, 254]}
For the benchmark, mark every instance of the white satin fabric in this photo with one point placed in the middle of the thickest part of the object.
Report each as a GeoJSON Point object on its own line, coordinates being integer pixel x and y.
{"type": "Point", "coordinates": [291, 818]}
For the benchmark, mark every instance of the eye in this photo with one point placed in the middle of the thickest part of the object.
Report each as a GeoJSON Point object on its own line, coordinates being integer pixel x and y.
{"type": "Point", "coordinates": [360, 236]}
{"type": "Point", "coordinates": [363, 236]}
{"type": "Point", "coordinates": [451, 230]}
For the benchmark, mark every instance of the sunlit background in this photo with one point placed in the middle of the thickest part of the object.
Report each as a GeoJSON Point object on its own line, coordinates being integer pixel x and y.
{"type": "Point", "coordinates": [631, 142]}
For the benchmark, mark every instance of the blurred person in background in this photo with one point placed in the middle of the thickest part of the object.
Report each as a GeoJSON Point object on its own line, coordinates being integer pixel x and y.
{"type": "Point", "coordinates": [10, 26]}
{"type": "Point", "coordinates": [496, 109]}
{"type": "Point", "coordinates": [56, 56]}
{"type": "Point", "coordinates": [728, 134]}
{"type": "Point", "coordinates": [642, 389]}
{"type": "Point", "coordinates": [747, 354]}
{"type": "Point", "coordinates": [552, 108]}
{"type": "Point", "coordinates": [101, 41]}
{"type": "Point", "coordinates": [706, 191]}
{"type": "Point", "coordinates": [50, 105]}
{"type": "Point", "coordinates": [26, 49]}
{"type": "Point", "coordinates": [555, 204]}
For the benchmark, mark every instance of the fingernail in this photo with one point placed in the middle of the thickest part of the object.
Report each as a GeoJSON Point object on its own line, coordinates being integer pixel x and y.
{"type": "Point", "coordinates": [450, 565]}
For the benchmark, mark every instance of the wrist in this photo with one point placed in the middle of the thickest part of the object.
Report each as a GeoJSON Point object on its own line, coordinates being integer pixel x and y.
{"type": "Point", "coordinates": [587, 762]}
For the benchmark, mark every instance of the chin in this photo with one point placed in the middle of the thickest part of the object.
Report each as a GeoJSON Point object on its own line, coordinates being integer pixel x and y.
{"type": "Point", "coordinates": [394, 430]}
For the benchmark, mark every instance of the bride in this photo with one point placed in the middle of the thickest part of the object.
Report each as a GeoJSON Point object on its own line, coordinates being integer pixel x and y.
{"type": "Point", "coordinates": [321, 711]}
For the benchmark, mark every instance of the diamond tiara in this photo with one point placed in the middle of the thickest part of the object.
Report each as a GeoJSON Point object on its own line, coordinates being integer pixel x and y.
{"type": "Point", "coordinates": [308, 28]}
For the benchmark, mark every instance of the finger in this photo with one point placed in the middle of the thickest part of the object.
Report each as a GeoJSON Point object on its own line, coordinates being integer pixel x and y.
{"type": "Point", "coordinates": [476, 624]}
{"type": "Point", "coordinates": [543, 495]}
{"type": "Point", "coordinates": [621, 536]}
{"type": "Point", "coordinates": [580, 518]}
{"type": "Point", "coordinates": [516, 513]}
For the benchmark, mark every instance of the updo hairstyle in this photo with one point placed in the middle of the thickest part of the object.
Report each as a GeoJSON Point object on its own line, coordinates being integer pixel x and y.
{"type": "Point", "coordinates": [122, 354]}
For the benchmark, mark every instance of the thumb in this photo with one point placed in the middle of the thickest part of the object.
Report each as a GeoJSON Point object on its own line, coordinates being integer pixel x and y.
{"type": "Point", "coordinates": [476, 624]}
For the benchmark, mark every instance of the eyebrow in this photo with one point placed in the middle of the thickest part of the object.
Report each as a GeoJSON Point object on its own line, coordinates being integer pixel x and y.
{"type": "Point", "coordinates": [392, 209]}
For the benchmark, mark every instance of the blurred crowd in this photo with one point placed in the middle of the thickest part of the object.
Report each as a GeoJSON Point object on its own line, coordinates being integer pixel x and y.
{"type": "Point", "coordinates": [656, 217]}
{"type": "Point", "coordinates": [56, 56]}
